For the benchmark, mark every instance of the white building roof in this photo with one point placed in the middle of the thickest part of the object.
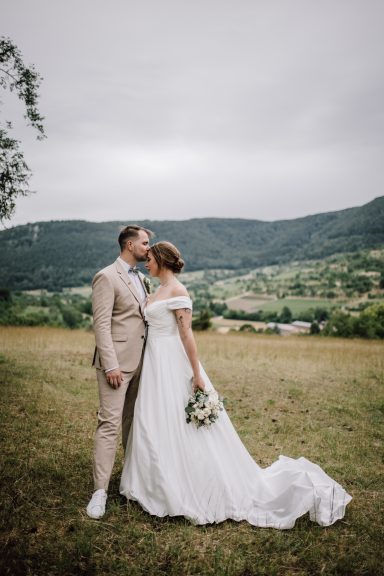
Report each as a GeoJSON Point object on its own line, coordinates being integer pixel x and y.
{"type": "Point", "coordinates": [301, 324]}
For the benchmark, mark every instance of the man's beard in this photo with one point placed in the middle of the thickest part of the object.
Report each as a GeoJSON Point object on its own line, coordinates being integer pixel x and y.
{"type": "Point", "coordinates": [141, 258]}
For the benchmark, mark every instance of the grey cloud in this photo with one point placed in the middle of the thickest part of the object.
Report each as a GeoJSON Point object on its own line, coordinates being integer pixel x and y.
{"type": "Point", "coordinates": [217, 107]}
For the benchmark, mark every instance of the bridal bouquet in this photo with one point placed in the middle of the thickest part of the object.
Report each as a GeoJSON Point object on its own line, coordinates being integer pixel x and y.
{"type": "Point", "coordinates": [203, 408]}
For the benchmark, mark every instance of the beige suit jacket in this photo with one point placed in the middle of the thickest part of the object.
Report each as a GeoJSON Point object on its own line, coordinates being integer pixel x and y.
{"type": "Point", "coordinates": [118, 322]}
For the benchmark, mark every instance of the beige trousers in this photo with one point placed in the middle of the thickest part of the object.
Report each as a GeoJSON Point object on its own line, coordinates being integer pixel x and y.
{"type": "Point", "coordinates": [115, 413]}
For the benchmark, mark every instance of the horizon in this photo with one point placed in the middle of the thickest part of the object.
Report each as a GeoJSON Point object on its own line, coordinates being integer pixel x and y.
{"type": "Point", "coordinates": [134, 220]}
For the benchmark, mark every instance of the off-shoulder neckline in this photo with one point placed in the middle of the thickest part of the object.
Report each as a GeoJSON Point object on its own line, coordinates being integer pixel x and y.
{"type": "Point", "coordinates": [167, 299]}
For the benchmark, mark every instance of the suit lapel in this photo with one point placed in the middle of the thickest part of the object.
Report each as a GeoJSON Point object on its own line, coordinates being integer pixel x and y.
{"type": "Point", "coordinates": [125, 278]}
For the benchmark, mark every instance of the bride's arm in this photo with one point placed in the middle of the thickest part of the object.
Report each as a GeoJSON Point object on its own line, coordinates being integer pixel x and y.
{"type": "Point", "coordinates": [184, 324]}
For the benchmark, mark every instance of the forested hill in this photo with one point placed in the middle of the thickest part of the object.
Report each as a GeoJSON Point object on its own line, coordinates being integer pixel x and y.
{"type": "Point", "coordinates": [59, 254]}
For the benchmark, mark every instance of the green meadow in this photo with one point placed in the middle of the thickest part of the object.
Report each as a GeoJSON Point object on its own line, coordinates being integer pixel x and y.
{"type": "Point", "coordinates": [321, 398]}
{"type": "Point", "coordinates": [296, 305]}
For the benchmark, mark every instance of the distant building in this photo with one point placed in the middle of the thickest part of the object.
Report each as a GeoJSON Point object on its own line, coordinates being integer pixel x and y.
{"type": "Point", "coordinates": [297, 327]}
{"type": "Point", "coordinates": [284, 329]}
{"type": "Point", "coordinates": [302, 326]}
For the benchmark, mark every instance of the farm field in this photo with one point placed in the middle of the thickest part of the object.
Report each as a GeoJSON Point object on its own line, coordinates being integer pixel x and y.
{"type": "Point", "coordinates": [249, 303]}
{"type": "Point", "coordinates": [316, 397]}
{"type": "Point", "coordinates": [298, 305]}
{"type": "Point", "coordinates": [311, 290]}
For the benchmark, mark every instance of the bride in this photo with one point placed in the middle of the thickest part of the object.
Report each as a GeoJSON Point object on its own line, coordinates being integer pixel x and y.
{"type": "Point", "coordinates": [173, 468]}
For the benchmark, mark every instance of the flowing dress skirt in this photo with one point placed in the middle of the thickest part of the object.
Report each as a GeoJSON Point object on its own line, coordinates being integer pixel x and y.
{"type": "Point", "coordinates": [206, 474]}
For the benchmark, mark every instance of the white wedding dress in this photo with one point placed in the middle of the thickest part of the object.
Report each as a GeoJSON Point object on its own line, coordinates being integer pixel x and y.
{"type": "Point", "coordinates": [206, 474]}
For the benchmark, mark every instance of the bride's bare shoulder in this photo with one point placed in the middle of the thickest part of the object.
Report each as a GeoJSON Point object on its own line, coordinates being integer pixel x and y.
{"type": "Point", "coordinates": [179, 290]}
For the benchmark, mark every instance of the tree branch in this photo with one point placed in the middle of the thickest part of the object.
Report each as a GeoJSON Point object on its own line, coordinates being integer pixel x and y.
{"type": "Point", "coordinates": [9, 74]}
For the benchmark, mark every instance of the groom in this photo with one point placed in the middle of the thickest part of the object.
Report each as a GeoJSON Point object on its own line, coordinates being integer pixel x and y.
{"type": "Point", "coordinates": [118, 292]}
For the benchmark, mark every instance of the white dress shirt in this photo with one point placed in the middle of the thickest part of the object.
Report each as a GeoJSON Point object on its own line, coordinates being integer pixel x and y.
{"type": "Point", "coordinates": [135, 279]}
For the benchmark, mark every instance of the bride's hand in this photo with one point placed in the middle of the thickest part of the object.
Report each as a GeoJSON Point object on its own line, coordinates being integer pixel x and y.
{"type": "Point", "coordinates": [198, 383]}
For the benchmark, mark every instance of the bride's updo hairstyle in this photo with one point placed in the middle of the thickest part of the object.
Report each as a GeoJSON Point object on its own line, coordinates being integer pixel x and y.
{"type": "Point", "coordinates": [167, 256]}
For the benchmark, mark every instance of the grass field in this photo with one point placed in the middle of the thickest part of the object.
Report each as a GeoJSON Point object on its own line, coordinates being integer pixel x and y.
{"type": "Point", "coordinates": [316, 397]}
{"type": "Point", "coordinates": [296, 305]}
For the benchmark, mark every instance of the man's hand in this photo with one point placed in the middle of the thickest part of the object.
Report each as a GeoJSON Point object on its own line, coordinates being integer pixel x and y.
{"type": "Point", "coordinates": [114, 378]}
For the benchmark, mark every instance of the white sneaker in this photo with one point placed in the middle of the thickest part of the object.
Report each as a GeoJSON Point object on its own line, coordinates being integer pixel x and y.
{"type": "Point", "coordinates": [96, 506]}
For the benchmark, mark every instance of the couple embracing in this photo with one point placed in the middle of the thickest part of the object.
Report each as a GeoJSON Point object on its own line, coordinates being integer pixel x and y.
{"type": "Point", "coordinates": [147, 368]}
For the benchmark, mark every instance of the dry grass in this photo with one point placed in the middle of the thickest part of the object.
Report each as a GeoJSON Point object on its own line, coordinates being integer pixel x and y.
{"type": "Point", "coordinates": [321, 398]}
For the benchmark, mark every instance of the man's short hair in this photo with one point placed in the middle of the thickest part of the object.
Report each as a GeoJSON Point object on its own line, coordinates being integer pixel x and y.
{"type": "Point", "coordinates": [131, 231]}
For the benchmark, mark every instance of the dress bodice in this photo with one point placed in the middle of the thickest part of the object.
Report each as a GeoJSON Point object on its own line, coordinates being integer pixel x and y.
{"type": "Point", "coordinates": [161, 318]}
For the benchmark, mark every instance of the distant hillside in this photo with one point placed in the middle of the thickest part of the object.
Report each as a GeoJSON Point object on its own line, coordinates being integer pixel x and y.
{"type": "Point", "coordinates": [59, 254]}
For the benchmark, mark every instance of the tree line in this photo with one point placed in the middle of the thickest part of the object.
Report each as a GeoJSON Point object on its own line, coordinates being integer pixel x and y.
{"type": "Point", "coordinates": [75, 311]}
{"type": "Point", "coordinates": [63, 254]}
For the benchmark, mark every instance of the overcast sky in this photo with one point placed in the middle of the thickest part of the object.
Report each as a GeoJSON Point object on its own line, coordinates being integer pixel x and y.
{"type": "Point", "coordinates": [175, 109]}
